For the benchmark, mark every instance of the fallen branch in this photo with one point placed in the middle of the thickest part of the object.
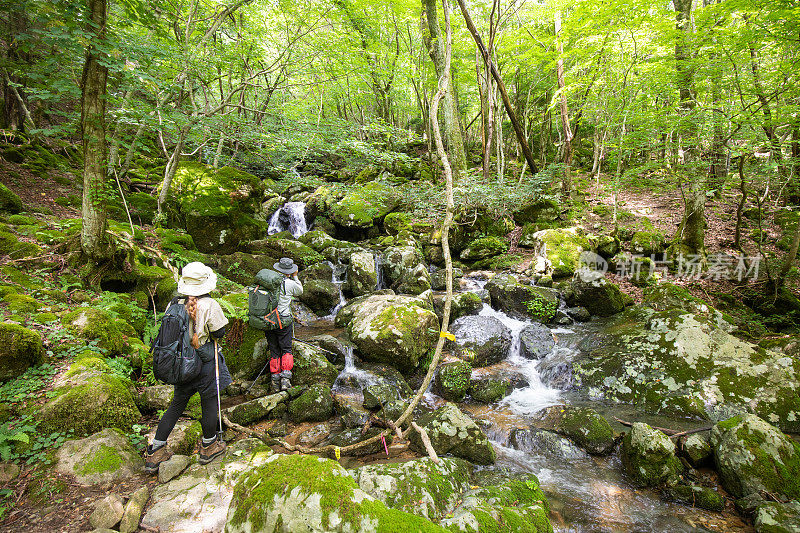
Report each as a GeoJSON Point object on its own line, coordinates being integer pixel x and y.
{"type": "Point", "coordinates": [263, 437]}
{"type": "Point", "coordinates": [671, 433]}
{"type": "Point", "coordinates": [426, 441]}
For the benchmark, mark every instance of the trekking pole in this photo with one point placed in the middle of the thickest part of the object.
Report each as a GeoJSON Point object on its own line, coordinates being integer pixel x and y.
{"type": "Point", "coordinates": [219, 401]}
{"type": "Point", "coordinates": [258, 376]}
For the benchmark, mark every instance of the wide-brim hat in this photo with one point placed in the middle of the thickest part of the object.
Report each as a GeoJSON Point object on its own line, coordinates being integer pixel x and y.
{"type": "Point", "coordinates": [196, 279]}
{"type": "Point", "coordinates": [285, 266]}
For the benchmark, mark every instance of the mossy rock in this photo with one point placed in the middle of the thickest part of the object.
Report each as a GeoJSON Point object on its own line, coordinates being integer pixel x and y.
{"type": "Point", "coordinates": [419, 486]}
{"type": "Point", "coordinates": [242, 267]}
{"type": "Point", "coordinates": [9, 201]}
{"type": "Point", "coordinates": [294, 492]}
{"type": "Point", "coordinates": [301, 254]}
{"type": "Point", "coordinates": [484, 248]}
{"type": "Point", "coordinates": [451, 431]}
{"type": "Point", "coordinates": [363, 206]}
{"type": "Point", "coordinates": [648, 456]}
{"type": "Point", "coordinates": [397, 330]}
{"type": "Point", "coordinates": [489, 390]}
{"type": "Point", "coordinates": [520, 300]}
{"type": "Point", "coordinates": [694, 496]}
{"type": "Point", "coordinates": [175, 241]}
{"type": "Point", "coordinates": [104, 457]}
{"type": "Point", "coordinates": [648, 243]}
{"type": "Point", "coordinates": [314, 405]}
{"type": "Point", "coordinates": [22, 304]}
{"type": "Point", "coordinates": [537, 210]}
{"type": "Point", "coordinates": [22, 220]}
{"type": "Point", "coordinates": [102, 401]}
{"type": "Point", "coordinates": [96, 324]}
{"type": "Point", "coordinates": [452, 380]}
{"type": "Point", "coordinates": [598, 295]}
{"type": "Point", "coordinates": [584, 426]}
{"type": "Point", "coordinates": [562, 248]}
{"type": "Point", "coordinates": [517, 505]}
{"type": "Point", "coordinates": [778, 517]}
{"type": "Point", "coordinates": [20, 349]}
{"type": "Point", "coordinates": [751, 455]}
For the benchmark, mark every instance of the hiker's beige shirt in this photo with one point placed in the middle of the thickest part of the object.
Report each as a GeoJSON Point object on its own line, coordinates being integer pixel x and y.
{"type": "Point", "coordinates": [209, 317]}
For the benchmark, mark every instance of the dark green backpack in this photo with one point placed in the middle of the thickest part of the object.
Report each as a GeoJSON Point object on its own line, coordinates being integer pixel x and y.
{"type": "Point", "coordinates": [262, 301]}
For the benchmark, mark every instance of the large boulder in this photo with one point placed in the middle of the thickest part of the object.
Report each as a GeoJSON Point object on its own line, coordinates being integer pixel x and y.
{"type": "Point", "coordinates": [520, 300]}
{"type": "Point", "coordinates": [301, 254]}
{"type": "Point", "coordinates": [200, 498]}
{"type": "Point", "coordinates": [598, 295]}
{"type": "Point", "coordinates": [252, 411]}
{"type": "Point", "coordinates": [778, 517]}
{"type": "Point", "coordinates": [90, 397]}
{"type": "Point", "coordinates": [94, 324]}
{"type": "Point", "coordinates": [362, 277]}
{"type": "Point", "coordinates": [536, 341]}
{"type": "Point", "coordinates": [483, 340]}
{"type": "Point", "coordinates": [648, 243]}
{"type": "Point", "coordinates": [314, 405]}
{"type": "Point", "coordinates": [514, 505]}
{"type": "Point", "coordinates": [584, 426]}
{"type": "Point", "coordinates": [363, 206]}
{"type": "Point", "coordinates": [648, 456]}
{"type": "Point", "coordinates": [405, 269]}
{"type": "Point", "coordinates": [560, 249]}
{"type": "Point", "coordinates": [682, 364]}
{"type": "Point", "coordinates": [308, 493]}
{"type": "Point", "coordinates": [320, 295]}
{"type": "Point", "coordinates": [241, 267]}
{"type": "Point", "coordinates": [310, 364]}
{"type": "Point", "coordinates": [217, 205]}
{"type": "Point", "coordinates": [20, 349]}
{"type": "Point", "coordinates": [544, 442]}
{"type": "Point", "coordinates": [397, 330]}
{"type": "Point", "coordinates": [453, 432]}
{"type": "Point", "coordinates": [536, 211]}
{"type": "Point", "coordinates": [414, 281]}
{"type": "Point", "coordinates": [420, 486]}
{"type": "Point", "coordinates": [104, 457]}
{"type": "Point", "coordinates": [751, 455]}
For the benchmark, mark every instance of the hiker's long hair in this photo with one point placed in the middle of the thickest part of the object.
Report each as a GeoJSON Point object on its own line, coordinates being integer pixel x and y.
{"type": "Point", "coordinates": [191, 310]}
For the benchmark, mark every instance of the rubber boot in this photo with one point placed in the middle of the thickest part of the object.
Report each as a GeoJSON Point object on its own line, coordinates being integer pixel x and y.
{"type": "Point", "coordinates": [275, 383]}
{"type": "Point", "coordinates": [286, 375]}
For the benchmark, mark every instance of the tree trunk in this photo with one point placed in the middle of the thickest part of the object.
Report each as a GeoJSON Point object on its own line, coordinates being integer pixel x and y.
{"type": "Point", "coordinates": [452, 129]}
{"type": "Point", "coordinates": [692, 229]}
{"type": "Point", "coordinates": [93, 109]}
{"type": "Point", "coordinates": [566, 183]}
{"type": "Point", "coordinates": [500, 86]}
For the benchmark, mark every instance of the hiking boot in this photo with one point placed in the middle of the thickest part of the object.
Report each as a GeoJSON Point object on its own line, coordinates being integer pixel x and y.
{"type": "Point", "coordinates": [213, 450]}
{"type": "Point", "coordinates": [153, 458]}
{"type": "Point", "coordinates": [286, 375]}
{"type": "Point", "coordinates": [275, 384]}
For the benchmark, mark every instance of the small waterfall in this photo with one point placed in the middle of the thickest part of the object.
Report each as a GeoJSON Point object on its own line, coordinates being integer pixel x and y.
{"type": "Point", "coordinates": [381, 283]}
{"type": "Point", "coordinates": [536, 396]}
{"type": "Point", "coordinates": [352, 378]}
{"type": "Point", "coordinates": [292, 217]}
{"type": "Point", "coordinates": [338, 278]}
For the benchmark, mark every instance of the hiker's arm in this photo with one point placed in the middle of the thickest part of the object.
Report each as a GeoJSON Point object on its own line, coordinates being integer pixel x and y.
{"type": "Point", "coordinates": [219, 333]}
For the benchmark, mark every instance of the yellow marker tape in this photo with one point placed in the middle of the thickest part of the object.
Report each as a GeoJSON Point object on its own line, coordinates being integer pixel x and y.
{"type": "Point", "coordinates": [447, 335]}
{"type": "Point", "coordinates": [338, 453]}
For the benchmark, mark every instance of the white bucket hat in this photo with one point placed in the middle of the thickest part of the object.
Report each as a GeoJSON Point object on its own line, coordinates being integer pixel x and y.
{"type": "Point", "coordinates": [196, 279]}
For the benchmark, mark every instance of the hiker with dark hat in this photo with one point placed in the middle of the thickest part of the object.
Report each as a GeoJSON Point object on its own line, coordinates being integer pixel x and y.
{"type": "Point", "coordinates": [280, 339]}
{"type": "Point", "coordinates": [207, 322]}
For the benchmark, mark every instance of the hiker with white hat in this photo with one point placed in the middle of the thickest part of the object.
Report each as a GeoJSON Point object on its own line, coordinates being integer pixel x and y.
{"type": "Point", "coordinates": [280, 339]}
{"type": "Point", "coordinates": [208, 326]}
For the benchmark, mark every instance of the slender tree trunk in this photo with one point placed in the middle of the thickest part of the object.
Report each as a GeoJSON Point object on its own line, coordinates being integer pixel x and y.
{"type": "Point", "coordinates": [126, 166]}
{"type": "Point", "coordinates": [500, 86]}
{"type": "Point", "coordinates": [452, 129]}
{"type": "Point", "coordinates": [218, 153]}
{"type": "Point", "coordinates": [566, 183]}
{"type": "Point", "coordinates": [93, 109]}
{"type": "Point", "coordinates": [172, 167]}
{"type": "Point", "coordinates": [740, 208]}
{"type": "Point", "coordinates": [692, 228]}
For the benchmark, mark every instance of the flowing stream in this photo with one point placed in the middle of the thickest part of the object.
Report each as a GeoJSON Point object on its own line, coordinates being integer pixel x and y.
{"type": "Point", "coordinates": [586, 493]}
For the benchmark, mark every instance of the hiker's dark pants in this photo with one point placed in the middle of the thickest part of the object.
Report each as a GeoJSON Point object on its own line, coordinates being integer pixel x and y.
{"type": "Point", "coordinates": [182, 394]}
{"type": "Point", "coordinates": [280, 342]}
{"type": "Point", "coordinates": [206, 385]}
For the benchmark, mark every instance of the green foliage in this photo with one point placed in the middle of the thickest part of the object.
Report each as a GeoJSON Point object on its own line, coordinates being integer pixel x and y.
{"type": "Point", "coordinates": [21, 440]}
{"type": "Point", "coordinates": [542, 309]}
{"type": "Point", "coordinates": [28, 386]}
